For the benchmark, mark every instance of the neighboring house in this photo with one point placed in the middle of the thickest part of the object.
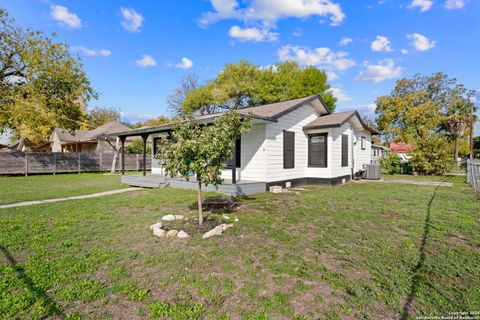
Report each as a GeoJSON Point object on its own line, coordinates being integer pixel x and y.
{"type": "Point", "coordinates": [98, 140]}
{"type": "Point", "coordinates": [25, 145]}
{"type": "Point", "coordinates": [290, 143]}
{"type": "Point", "coordinates": [378, 152]}
{"type": "Point", "coordinates": [402, 149]}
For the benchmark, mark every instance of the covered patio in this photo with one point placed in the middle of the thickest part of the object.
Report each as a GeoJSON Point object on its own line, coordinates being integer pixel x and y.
{"type": "Point", "coordinates": [230, 186]}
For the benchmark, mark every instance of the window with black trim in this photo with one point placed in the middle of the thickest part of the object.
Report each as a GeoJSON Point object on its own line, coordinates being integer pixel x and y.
{"type": "Point", "coordinates": [317, 150]}
{"type": "Point", "coordinates": [344, 150]}
{"type": "Point", "coordinates": [237, 154]}
{"type": "Point", "coordinates": [288, 149]}
{"type": "Point", "coordinates": [363, 143]}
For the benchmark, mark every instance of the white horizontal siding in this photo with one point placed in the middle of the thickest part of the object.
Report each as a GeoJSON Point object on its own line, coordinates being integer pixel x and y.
{"type": "Point", "coordinates": [252, 155]}
{"type": "Point", "coordinates": [294, 121]}
{"type": "Point", "coordinates": [336, 163]}
{"type": "Point", "coordinates": [362, 156]}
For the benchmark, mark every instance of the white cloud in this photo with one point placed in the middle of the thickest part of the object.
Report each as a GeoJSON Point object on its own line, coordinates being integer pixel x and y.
{"type": "Point", "coordinates": [420, 42]}
{"type": "Point", "coordinates": [273, 10]}
{"type": "Point", "coordinates": [332, 76]}
{"type": "Point", "coordinates": [381, 43]}
{"type": "Point", "coordinates": [321, 57]}
{"type": "Point", "coordinates": [132, 20]}
{"type": "Point", "coordinates": [92, 52]}
{"type": "Point", "coordinates": [404, 51]}
{"type": "Point", "coordinates": [454, 4]}
{"type": "Point", "coordinates": [379, 72]}
{"type": "Point", "coordinates": [298, 32]}
{"type": "Point", "coordinates": [185, 64]}
{"type": "Point", "coordinates": [424, 5]}
{"type": "Point", "coordinates": [252, 34]}
{"type": "Point", "coordinates": [62, 15]}
{"type": "Point", "coordinates": [345, 41]}
{"type": "Point", "coordinates": [146, 61]}
{"type": "Point", "coordinates": [340, 94]}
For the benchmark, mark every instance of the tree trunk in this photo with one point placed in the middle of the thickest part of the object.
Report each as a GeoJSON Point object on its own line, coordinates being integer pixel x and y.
{"type": "Point", "coordinates": [115, 157]}
{"type": "Point", "coordinates": [200, 209]}
{"type": "Point", "coordinates": [456, 150]}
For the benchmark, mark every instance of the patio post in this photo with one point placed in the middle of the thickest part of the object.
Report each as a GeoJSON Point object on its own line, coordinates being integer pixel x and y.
{"type": "Point", "coordinates": [144, 137]}
{"type": "Point", "coordinates": [122, 140]}
{"type": "Point", "coordinates": [234, 162]}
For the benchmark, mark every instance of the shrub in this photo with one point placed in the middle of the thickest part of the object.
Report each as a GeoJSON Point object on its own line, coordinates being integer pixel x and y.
{"type": "Point", "coordinates": [136, 147]}
{"type": "Point", "coordinates": [432, 156]}
{"type": "Point", "coordinates": [391, 163]}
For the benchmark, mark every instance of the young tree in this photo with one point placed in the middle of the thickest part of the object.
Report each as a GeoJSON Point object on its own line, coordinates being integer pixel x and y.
{"type": "Point", "coordinates": [244, 84]}
{"type": "Point", "coordinates": [201, 150]}
{"type": "Point", "coordinates": [41, 85]}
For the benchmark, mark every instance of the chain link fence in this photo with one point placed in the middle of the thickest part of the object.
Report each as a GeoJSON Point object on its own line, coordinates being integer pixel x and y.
{"type": "Point", "coordinates": [473, 174]}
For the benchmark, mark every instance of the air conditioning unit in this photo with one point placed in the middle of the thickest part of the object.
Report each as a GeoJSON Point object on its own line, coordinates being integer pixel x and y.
{"type": "Point", "coordinates": [372, 171]}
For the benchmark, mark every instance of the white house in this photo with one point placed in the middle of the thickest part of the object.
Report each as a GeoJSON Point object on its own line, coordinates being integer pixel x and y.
{"type": "Point", "coordinates": [290, 143]}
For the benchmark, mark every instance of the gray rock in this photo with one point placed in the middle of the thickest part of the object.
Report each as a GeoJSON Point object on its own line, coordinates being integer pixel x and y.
{"type": "Point", "coordinates": [168, 217]}
{"type": "Point", "coordinates": [156, 225]}
{"type": "Point", "coordinates": [172, 233]}
{"type": "Point", "coordinates": [182, 235]}
{"type": "Point", "coordinates": [159, 232]}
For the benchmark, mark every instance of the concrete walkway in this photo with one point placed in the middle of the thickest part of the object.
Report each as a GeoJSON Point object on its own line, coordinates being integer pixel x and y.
{"type": "Point", "coordinates": [85, 196]}
{"type": "Point", "coordinates": [417, 182]}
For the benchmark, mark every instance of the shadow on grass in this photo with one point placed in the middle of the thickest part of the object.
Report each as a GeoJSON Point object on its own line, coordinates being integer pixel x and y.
{"type": "Point", "coordinates": [417, 270]}
{"type": "Point", "coordinates": [50, 305]}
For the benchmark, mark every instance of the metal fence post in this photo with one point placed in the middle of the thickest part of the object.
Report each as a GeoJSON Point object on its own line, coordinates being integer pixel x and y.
{"type": "Point", "coordinates": [79, 168]}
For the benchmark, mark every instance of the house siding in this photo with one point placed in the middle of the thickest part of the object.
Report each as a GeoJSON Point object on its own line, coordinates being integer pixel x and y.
{"type": "Point", "coordinates": [336, 165]}
{"type": "Point", "coordinates": [362, 156]}
{"type": "Point", "coordinates": [252, 156]}
{"type": "Point", "coordinates": [294, 121]}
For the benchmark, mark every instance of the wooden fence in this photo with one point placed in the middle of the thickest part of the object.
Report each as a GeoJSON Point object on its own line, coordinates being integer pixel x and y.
{"type": "Point", "coordinates": [473, 174]}
{"type": "Point", "coordinates": [58, 162]}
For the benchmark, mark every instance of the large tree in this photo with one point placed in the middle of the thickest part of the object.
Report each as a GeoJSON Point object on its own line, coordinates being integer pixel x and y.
{"type": "Point", "coordinates": [100, 116]}
{"type": "Point", "coordinates": [201, 150]}
{"type": "Point", "coordinates": [41, 85]}
{"type": "Point", "coordinates": [244, 84]}
{"type": "Point", "coordinates": [424, 107]}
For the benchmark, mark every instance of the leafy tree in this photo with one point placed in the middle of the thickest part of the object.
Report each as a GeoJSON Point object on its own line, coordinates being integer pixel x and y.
{"type": "Point", "coordinates": [153, 122]}
{"type": "Point", "coordinates": [41, 85]}
{"type": "Point", "coordinates": [245, 84]}
{"type": "Point", "coordinates": [431, 156]}
{"type": "Point", "coordinates": [100, 116]}
{"type": "Point", "coordinates": [391, 163]}
{"type": "Point", "coordinates": [136, 147]}
{"type": "Point", "coordinates": [424, 108]}
{"type": "Point", "coordinates": [201, 150]}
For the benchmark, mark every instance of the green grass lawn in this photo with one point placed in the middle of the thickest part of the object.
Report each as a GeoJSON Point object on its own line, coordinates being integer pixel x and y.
{"type": "Point", "coordinates": [356, 251]}
{"type": "Point", "coordinates": [38, 187]}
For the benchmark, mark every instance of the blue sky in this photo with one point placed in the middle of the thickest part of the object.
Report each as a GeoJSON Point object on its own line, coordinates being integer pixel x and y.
{"type": "Point", "coordinates": [135, 52]}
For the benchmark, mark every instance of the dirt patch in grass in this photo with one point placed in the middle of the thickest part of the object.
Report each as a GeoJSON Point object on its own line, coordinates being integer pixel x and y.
{"type": "Point", "coordinates": [191, 226]}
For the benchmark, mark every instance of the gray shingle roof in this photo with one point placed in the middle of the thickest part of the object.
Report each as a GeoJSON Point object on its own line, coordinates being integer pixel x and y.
{"type": "Point", "coordinates": [108, 129]}
{"type": "Point", "coordinates": [336, 119]}
{"type": "Point", "coordinates": [268, 112]}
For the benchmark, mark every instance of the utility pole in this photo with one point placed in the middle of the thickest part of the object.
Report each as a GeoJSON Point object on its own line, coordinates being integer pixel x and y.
{"type": "Point", "coordinates": [471, 131]}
